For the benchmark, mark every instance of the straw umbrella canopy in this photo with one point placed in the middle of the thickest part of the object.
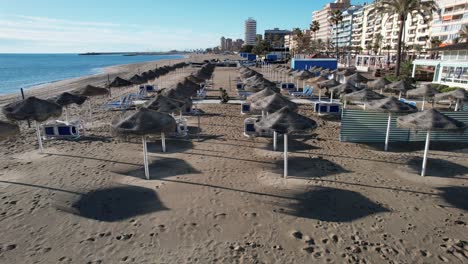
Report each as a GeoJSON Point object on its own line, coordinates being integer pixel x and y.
{"type": "Point", "coordinates": [165, 104]}
{"type": "Point", "coordinates": [33, 109]}
{"type": "Point", "coordinates": [286, 121]}
{"type": "Point", "coordinates": [344, 88]}
{"type": "Point", "coordinates": [356, 79]}
{"type": "Point", "coordinates": [425, 90]}
{"type": "Point", "coordinates": [91, 91]}
{"type": "Point", "coordinates": [327, 84]}
{"type": "Point", "coordinates": [65, 99]}
{"type": "Point", "coordinates": [458, 95]}
{"type": "Point", "coordinates": [137, 79]}
{"type": "Point", "coordinates": [399, 86]}
{"type": "Point", "coordinates": [259, 95]}
{"type": "Point", "coordinates": [272, 104]}
{"type": "Point", "coordinates": [8, 129]}
{"type": "Point", "coordinates": [363, 95]}
{"type": "Point", "coordinates": [430, 120]}
{"type": "Point", "coordinates": [195, 79]}
{"type": "Point", "coordinates": [390, 105]}
{"type": "Point", "coordinates": [143, 123]}
{"type": "Point", "coordinates": [119, 82]}
{"type": "Point", "coordinates": [378, 84]}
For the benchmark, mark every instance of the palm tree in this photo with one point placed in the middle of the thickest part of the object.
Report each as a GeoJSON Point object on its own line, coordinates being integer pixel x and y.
{"type": "Point", "coordinates": [368, 47]}
{"type": "Point", "coordinates": [377, 43]}
{"type": "Point", "coordinates": [336, 19]}
{"type": "Point", "coordinates": [402, 9]}
{"type": "Point", "coordinates": [314, 27]}
{"type": "Point", "coordinates": [435, 43]}
{"type": "Point", "coordinates": [463, 33]}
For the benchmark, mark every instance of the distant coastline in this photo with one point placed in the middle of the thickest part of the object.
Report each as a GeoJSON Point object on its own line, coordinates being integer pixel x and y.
{"type": "Point", "coordinates": [134, 53]}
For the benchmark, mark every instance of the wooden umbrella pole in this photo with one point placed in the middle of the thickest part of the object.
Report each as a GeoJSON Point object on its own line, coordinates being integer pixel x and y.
{"type": "Point", "coordinates": [163, 141]}
{"type": "Point", "coordinates": [387, 136]}
{"type": "Point", "coordinates": [275, 139]}
{"type": "Point", "coordinates": [285, 155]}
{"type": "Point", "coordinates": [145, 158]}
{"type": "Point", "coordinates": [426, 150]}
{"type": "Point", "coordinates": [39, 138]}
{"type": "Point", "coordinates": [423, 103]}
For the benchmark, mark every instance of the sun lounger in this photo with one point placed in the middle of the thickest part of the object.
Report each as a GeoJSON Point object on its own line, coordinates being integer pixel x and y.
{"type": "Point", "coordinates": [245, 108]}
{"type": "Point", "coordinates": [249, 127]}
{"type": "Point", "coordinates": [412, 103]}
{"type": "Point", "coordinates": [125, 103]}
{"type": "Point", "coordinates": [288, 86]}
{"type": "Point", "coordinates": [306, 93]}
{"type": "Point", "coordinates": [243, 94]}
{"type": "Point", "coordinates": [62, 130]}
{"type": "Point", "coordinates": [327, 108]}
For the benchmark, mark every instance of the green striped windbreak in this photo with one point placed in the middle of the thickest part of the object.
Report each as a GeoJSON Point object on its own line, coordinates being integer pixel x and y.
{"type": "Point", "coordinates": [364, 126]}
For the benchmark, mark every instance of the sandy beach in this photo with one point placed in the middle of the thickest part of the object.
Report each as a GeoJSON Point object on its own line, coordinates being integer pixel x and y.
{"type": "Point", "coordinates": [223, 199]}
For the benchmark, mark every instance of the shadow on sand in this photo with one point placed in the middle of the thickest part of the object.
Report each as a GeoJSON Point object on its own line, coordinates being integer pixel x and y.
{"type": "Point", "coordinates": [117, 203]}
{"type": "Point", "coordinates": [293, 145]}
{"type": "Point", "coordinates": [456, 196]}
{"type": "Point", "coordinates": [172, 146]}
{"type": "Point", "coordinates": [438, 168]}
{"type": "Point", "coordinates": [305, 167]}
{"type": "Point", "coordinates": [416, 146]}
{"type": "Point", "coordinates": [161, 168]}
{"type": "Point", "coordinates": [333, 205]}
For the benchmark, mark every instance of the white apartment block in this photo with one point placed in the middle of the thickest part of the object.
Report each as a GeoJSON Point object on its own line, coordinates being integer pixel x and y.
{"type": "Point", "coordinates": [323, 17]}
{"type": "Point", "coordinates": [453, 15]}
{"type": "Point", "coordinates": [250, 32]}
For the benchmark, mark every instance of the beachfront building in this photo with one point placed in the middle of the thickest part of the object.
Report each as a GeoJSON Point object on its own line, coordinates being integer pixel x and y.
{"type": "Point", "coordinates": [343, 33]}
{"type": "Point", "coordinates": [323, 18]}
{"type": "Point", "coordinates": [250, 31]}
{"type": "Point", "coordinates": [237, 45]}
{"type": "Point", "coordinates": [453, 16]}
{"type": "Point", "coordinates": [452, 67]}
{"type": "Point", "coordinates": [229, 44]}
{"type": "Point", "coordinates": [371, 27]}
{"type": "Point", "coordinates": [276, 37]}
{"type": "Point", "coordinates": [222, 45]}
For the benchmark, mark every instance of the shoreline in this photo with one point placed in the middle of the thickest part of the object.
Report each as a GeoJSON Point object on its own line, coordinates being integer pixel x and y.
{"type": "Point", "coordinates": [97, 71]}
{"type": "Point", "coordinates": [122, 70]}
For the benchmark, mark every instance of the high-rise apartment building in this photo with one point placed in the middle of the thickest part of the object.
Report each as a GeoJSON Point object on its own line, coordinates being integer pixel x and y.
{"type": "Point", "coordinates": [250, 31]}
{"type": "Point", "coordinates": [453, 16]}
{"type": "Point", "coordinates": [222, 46]}
{"type": "Point", "coordinates": [323, 17]}
{"type": "Point", "coordinates": [229, 44]}
{"type": "Point", "coordinates": [343, 33]}
{"type": "Point", "coordinates": [276, 37]}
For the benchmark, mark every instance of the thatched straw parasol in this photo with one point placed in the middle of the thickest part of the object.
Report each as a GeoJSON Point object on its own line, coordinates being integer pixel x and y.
{"type": "Point", "coordinates": [195, 79]}
{"type": "Point", "coordinates": [165, 104]}
{"type": "Point", "coordinates": [259, 95]}
{"type": "Point", "coordinates": [33, 108]}
{"type": "Point", "coordinates": [390, 105]}
{"type": "Point", "coordinates": [426, 90]}
{"type": "Point", "coordinates": [328, 84]}
{"type": "Point", "coordinates": [363, 95]}
{"type": "Point", "coordinates": [344, 88]}
{"type": "Point", "coordinates": [119, 82]}
{"type": "Point", "coordinates": [399, 86]}
{"type": "Point", "coordinates": [8, 129]}
{"type": "Point", "coordinates": [286, 121]}
{"type": "Point", "coordinates": [430, 120]}
{"type": "Point", "coordinates": [137, 79]}
{"type": "Point", "coordinates": [66, 99]}
{"type": "Point", "coordinates": [146, 122]}
{"type": "Point", "coordinates": [273, 103]}
{"type": "Point", "coordinates": [91, 91]}
{"type": "Point", "coordinates": [356, 79]}
{"type": "Point", "coordinates": [378, 84]}
{"type": "Point", "coordinates": [458, 95]}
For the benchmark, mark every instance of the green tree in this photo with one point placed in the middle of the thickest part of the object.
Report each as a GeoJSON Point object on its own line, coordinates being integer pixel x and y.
{"type": "Point", "coordinates": [388, 48]}
{"type": "Point", "coordinates": [314, 27]}
{"type": "Point", "coordinates": [336, 19]}
{"type": "Point", "coordinates": [261, 48]}
{"type": "Point", "coordinates": [402, 9]}
{"type": "Point", "coordinates": [377, 43]}
{"type": "Point", "coordinates": [369, 47]}
{"type": "Point", "coordinates": [435, 43]}
{"type": "Point", "coordinates": [247, 48]}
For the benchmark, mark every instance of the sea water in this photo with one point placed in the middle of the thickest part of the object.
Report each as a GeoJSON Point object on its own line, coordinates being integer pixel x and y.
{"type": "Point", "coordinates": [26, 70]}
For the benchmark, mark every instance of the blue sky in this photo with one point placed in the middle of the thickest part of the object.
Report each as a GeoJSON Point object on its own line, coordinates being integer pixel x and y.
{"type": "Point", "coordinates": [47, 26]}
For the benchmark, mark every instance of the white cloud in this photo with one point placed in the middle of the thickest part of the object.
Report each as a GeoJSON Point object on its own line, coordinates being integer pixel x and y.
{"type": "Point", "coordinates": [39, 34]}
